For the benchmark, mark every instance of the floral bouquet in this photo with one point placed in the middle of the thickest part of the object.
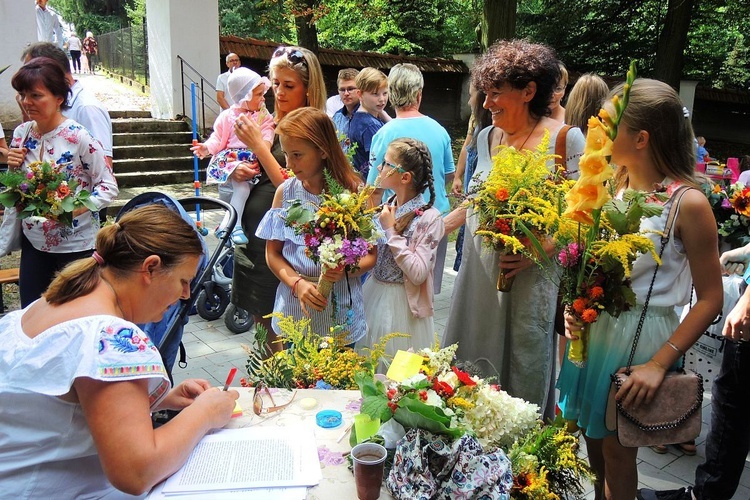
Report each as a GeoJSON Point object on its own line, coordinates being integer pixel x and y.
{"type": "Point", "coordinates": [731, 207]}
{"type": "Point", "coordinates": [601, 238]}
{"type": "Point", "coordinates": [44, 192]}
{"type": "Point", "coordinates": [446, 400]}
{"type": "Point", "coordinates": [339, 232]}
{"type": "Point", "coordinates": [545, 464]}
{"type": "Point", "coordinates": [312, 362]}
{"type": "Point", "coordinates": [517, 204]}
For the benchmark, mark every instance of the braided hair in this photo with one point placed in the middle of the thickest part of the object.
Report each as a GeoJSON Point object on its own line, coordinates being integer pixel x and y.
{"type": "Point", "coordinates": [414, 156]}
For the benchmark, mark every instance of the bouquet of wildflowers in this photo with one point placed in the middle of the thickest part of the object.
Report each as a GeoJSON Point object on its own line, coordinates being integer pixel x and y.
{"type": "Point", "coordinates": [44, 192]}
{"type": "Point", "coordinates": [339, 232]}
{"type": "Point", "coordinates": [517, 203]}
{"type": "Point", "coordinates": [545, 464]}
{"type": "Point", "coordinates": [731, 208]}
{"type": "Point", "coordinates": [446, 400]}
{"type": "Point", "coordinates": [600, 236]}
{"type": "Point", "coordinates": [312, 361]}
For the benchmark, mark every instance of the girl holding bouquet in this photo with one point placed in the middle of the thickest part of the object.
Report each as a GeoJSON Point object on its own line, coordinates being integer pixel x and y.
{"type": "Point", "coordinates": [311, 147]}
{"type": "Point", "coordinates": [653, 151]}
{"type": "Point", "coordinates": [399, 294]}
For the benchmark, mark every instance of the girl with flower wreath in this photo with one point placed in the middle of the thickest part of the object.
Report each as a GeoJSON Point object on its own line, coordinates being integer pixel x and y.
{"type": "Point", "coordinates": [399, 294]}
{"type": "Point", "coordinates": [311, 147]}
{"type": "Point", "coordinates": [653, 151]}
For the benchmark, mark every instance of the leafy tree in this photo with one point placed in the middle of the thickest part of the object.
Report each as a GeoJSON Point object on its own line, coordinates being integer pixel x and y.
{"type": "Point", "coordinates": [99, 16]}
{"type": "Point", "coordinates": [262, 19]}
{"type": "Point", "coordinates": [669, 49]}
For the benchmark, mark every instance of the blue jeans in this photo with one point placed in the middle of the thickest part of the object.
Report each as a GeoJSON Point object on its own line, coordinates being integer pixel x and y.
{"type": "Point", "coordinates": [728, 440]}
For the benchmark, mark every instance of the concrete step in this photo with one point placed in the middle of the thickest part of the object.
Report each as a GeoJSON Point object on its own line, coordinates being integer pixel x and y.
{"type": "Point", "coordinates": [129, 114]}
{"type": "Point", "coordinates": [155, 178]}
{"type": "Point", "coordinates": [136, 138]}
{"type": "Point", "coordinates": [144, 151]}
{"type": "Point", "coordinates": [121, 125]}
{"type": "Point", "coordinates": [153, 165]}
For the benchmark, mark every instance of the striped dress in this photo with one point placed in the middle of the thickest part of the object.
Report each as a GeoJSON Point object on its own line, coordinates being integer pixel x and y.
{"type": "Point", "coordinates": [350, 314]}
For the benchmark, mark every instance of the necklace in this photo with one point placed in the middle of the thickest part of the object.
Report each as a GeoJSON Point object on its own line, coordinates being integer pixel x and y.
{"type": "Point", "coordinates": [117, 299]}
{"type": "Point", "coordinates": [527, 137]}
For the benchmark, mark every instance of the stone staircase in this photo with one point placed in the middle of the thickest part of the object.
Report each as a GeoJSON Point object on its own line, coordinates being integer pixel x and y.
{"type": "Point", "coordinates": [152, 155]}
{"type": "Point", "coordinates": [151, 152]}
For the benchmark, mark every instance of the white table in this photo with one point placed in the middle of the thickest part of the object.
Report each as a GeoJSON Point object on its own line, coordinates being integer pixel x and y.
{"type": "Point", "coordinates": [338, 481]}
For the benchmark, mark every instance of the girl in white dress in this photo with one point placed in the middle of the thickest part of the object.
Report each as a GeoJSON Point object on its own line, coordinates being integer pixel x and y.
{"type": "Point", "coordinates": [399, 294]}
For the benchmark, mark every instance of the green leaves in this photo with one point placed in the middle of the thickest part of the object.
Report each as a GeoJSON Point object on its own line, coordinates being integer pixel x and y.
{"type": "Point", "coordinates": [412, 413]}
{"type": "Point", "coordinates": [298, 215]}
{"type": "Point", "coordinates": [625, 215]}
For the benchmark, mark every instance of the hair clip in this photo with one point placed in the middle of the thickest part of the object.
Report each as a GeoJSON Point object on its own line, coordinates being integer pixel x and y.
{"type": "Point", "coordinates": [685, 112]}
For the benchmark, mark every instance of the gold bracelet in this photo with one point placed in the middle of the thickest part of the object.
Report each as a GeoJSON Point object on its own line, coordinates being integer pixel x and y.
{"type": "Point", "coordinates": [658, 364]}
{"type": "Point", "coordinates": [670, 344]}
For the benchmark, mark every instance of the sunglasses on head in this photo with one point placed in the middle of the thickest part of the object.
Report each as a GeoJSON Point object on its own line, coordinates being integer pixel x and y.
{"type": "Point", "coordinates": [294, 55]}
{"type": "Point", "coordinates": [258, 408]}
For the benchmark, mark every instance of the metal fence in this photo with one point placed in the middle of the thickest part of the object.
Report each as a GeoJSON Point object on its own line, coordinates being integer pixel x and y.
{"type": "Point", "coordinates": [125, 52]}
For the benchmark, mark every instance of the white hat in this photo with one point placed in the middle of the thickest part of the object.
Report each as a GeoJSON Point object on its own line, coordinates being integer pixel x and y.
{"type": "Point", "coordinates": [242, 81]}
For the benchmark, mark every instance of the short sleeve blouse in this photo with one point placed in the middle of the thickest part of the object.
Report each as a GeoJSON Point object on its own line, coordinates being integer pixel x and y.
{"type": "Point", "coordinates": [46, 447]}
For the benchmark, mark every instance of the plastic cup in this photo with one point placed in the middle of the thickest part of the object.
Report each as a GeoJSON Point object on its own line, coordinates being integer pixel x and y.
{"type": "Point", "coordinates": [369, 461]}
{"type": "Point", "coordinates": [365, 426]}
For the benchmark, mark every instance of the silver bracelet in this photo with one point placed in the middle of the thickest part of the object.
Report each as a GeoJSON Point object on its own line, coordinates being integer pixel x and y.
{"type": "Point", "coordinates": [670, 344]}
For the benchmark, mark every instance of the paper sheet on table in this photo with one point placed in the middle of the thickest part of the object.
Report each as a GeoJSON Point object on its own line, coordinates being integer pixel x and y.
{"type": "Point", "coordinates": [292, 493]}
{"type": "Point", "coordinates": [404, 365]}
{"type": "Point", "coordinates": [254, 457]}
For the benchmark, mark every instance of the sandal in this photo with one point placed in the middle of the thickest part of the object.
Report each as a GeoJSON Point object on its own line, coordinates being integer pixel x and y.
{"type": "Point", "coordinates": [661, 449]}
{"type": "Point", "coordinates": [688, 447]}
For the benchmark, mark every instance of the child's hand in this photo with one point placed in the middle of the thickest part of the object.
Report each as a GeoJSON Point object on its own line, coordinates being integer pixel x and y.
{"type": "Point", "coordinates": [310, 296]}
{"type": "Point", "coordinates": [253, 167]}
{"type": "Point", "coordinates": [572, 326]}
{"type": "Point", "coordinates": [387, 217]}
{"type": "Point", "coordinates": [199, 149]}
{"type": "Point", "coordinates": [333, 275]}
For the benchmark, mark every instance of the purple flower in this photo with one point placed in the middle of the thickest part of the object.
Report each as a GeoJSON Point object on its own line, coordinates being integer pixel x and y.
{"type": "Point", "coordinates": [353, 250]}
{"type": "Point", "coordinates": [311, 241]}
{"type": "Point", "coordinates": [23, 187]}
{"type": "Point", "coordinates": [29, 175]}
{"type": "Point", "coordinates": [725, 203]}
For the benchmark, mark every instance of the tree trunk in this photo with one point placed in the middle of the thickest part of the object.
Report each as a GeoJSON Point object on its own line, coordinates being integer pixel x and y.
{"type": "Point", "coordinates": [672, 40]}
{"type": "Point", "coordinates": [304, 20]}
{"type": "Point", "coordinates": [498, 21]}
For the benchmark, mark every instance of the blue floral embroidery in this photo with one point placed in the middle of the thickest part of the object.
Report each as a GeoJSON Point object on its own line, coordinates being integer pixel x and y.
{"type": "Point", "coordinates": [65, 159]}
{"type": "Point", "coordinates": [31, 143]}
{"type": "Point", "coordinates": [124, 340]}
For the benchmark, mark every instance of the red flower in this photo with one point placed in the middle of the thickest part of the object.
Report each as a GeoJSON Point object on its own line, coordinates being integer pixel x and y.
{"type": "Point", "coordinates": [596, 292]}
{"type": "Point", "coordinates": [393, 406]}
{"type": "Point", "coordinates": [579, 305]}
{"type": "Point", "coordinates": [589, 315]}
{"type": "Point", "coordinates": [423, 395]}
{"type": "Point", "coordinates": [391, 392]}
{"type": "Point", "coordinates": [464, 377]}
{"type": "Point", "coordinates": [502, 194]}
{"type": "Point", "coordinates": [63, 191]}
{"type": "Point", "coordinates": [442, 388]}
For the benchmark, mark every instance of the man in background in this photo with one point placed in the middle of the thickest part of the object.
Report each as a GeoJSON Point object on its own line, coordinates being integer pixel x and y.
{"type": "Point", "coordinates": [224, 99]}
{"type": "Point", "coordinates": [48, 27]}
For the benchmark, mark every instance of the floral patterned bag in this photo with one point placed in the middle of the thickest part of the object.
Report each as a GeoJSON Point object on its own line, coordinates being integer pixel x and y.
{"type": "Point", "coordinates": [428, 466]}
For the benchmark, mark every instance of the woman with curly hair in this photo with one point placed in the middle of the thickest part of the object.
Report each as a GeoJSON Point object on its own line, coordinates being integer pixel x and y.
{"type": "Point", "coordinates": [510, 334]}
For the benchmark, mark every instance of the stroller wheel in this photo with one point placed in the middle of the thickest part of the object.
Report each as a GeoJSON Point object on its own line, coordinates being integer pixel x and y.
{"type": "Point", "coordinates": [212, 306]}
{"type": "Point", "coordinates": [237, 320]}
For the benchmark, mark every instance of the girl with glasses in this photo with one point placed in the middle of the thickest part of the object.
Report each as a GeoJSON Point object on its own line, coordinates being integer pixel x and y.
{"type": "Point", "coordinates": [399, 294]}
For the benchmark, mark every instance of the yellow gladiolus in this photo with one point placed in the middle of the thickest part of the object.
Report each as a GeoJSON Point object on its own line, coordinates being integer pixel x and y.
{"type": "Point", "coordinates": [597, 138]}
{"type": "Point", "coordinates": [586, 197]}
{"type": "Point", "coordinates": [594, 168]}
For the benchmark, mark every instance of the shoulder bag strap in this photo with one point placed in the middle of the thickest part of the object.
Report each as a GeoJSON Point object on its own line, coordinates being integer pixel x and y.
{"type": "Point", "coordinates": [561, 147]}
{"type": "Point", "coordinates": [675, 202]}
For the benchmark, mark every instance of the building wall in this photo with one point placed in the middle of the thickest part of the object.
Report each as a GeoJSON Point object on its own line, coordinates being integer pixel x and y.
{"type": "Point", "coordinates": [17, 30]}
{"type": "Point", "coordinates": [186, 28]}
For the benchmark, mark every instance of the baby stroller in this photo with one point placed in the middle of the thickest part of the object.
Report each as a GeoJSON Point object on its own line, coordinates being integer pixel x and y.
{"type": "Point", "coordinates": [213, 299]}
{"type": "Point", "coordinates": [167, 333]}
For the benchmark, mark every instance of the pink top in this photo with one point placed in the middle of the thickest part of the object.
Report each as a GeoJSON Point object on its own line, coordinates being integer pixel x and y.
{"type": "Point", "coordinates": [223, 136]}
{"type": "Point", "coordinates": [416, 258]}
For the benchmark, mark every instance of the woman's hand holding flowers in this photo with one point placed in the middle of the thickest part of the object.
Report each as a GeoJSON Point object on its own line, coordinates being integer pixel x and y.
{"type": "Point", "coordinates": [309, 296]}
{"type": "Point", "coordinates": [16, 156]}
{"type": "Point", "coordinates": [573, 326]}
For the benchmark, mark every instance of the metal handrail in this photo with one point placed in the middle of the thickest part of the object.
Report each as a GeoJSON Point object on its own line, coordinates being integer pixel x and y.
{"type": "Point", "coordinates": [207, 99]}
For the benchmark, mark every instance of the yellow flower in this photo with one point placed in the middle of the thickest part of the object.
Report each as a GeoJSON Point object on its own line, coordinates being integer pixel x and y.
{"type": "Point", "coordinates": [583, 198]}
{"type": "Point", "coordinates": [597, 138]}
{"type": "Point", "coordinates": [595, 168]}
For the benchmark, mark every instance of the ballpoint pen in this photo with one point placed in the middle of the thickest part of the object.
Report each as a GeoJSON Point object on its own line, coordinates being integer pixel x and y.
{"type": "Point", "coordinates": [230, 377]}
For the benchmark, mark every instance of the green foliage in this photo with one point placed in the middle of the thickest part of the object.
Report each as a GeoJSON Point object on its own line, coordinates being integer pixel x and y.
{"type": "Point", "coordinates": [625, 215]}
{"type": "Point", "coordinates": [262, 19]}
{"type": "Point", "coordinates": [93, 15]}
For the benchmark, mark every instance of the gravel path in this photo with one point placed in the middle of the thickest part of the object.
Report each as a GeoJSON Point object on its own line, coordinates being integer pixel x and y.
{"type": "Point", "coordinates": [116, 96]}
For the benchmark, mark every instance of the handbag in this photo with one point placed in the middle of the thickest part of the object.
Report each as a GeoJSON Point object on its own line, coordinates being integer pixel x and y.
{"type": "Point", "coordinates": [10, 232]}
{"type": "Point", "coordinates": [673, 414]}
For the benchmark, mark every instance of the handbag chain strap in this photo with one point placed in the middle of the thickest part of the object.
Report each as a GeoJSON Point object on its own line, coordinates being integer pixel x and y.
{"type": "Point", "coordinates": [674, 203]}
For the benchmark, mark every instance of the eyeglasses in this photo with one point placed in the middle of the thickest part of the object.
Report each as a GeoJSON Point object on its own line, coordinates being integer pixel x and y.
{"type": "Point", "coordinates": [294, 55]}
{"type": "Point", "coordinates": [345, 90]}
{"type": "Point", "coordinates": [395, 167]}
{"type": "Point", "coordinates": [258, 408]}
